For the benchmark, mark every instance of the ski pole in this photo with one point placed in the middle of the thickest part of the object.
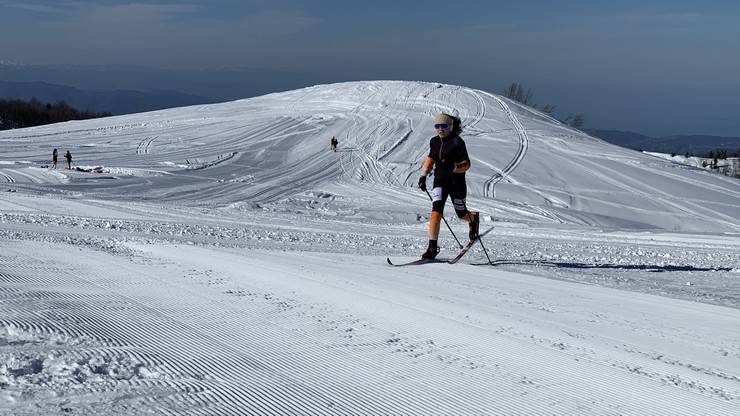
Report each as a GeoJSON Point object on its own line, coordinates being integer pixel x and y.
{"type": "Point", "coordinates": [480, 240]}
{"type": "Point", "coordinates": [445, 220]}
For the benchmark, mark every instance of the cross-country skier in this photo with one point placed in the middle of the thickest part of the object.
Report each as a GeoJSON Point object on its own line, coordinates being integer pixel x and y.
{"type": "Point", "coordinates": [449, 157]}
{"type": "Point", "coordinates": [68, 156]}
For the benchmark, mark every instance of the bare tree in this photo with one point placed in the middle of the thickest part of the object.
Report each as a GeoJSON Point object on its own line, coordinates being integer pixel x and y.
{"type": "Point", "coordinates": [578, 121]}
{"type": "Point", "coordinates": [515, 91]}
{"type": "Point", "coordinates": [575, 120]}
{"type": "Point", "coordinates": [548, 109]}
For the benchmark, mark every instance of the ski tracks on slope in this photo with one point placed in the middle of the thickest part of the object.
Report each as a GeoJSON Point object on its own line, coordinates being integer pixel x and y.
{"type": "Point", "coordinates": [145, 144]}
{"type": "Point", "coordinates": [372, 166]}
{"type": "Point", "coordinates": [490, 184]}
{"type": "Point", "coordinates": [366, 143]}
{"type": "Point", "coordinates": [8, 178]}
{"type": "Point", "coordinates": [31, 175]}
{"type": "Point", "coordinates": [691, 208]}
{"type": "Point", "coordinates": [503, 174]}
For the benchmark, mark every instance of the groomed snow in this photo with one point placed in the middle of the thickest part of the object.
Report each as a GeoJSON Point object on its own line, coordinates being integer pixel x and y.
{"type": "Point", "coordinates": [221, 260]}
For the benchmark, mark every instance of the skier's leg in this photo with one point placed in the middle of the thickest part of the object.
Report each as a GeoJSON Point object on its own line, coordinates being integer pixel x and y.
{"type": "Point", "coordinates": [434, 223]}
{"type": "Point", "coordinates": [458, 194]}
{"type": "Point", "coordinates": [439, 196]}
{"type": "Point", "coordinates": [473, 218]}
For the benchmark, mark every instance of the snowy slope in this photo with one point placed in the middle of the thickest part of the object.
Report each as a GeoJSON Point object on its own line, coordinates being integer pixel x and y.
{"type": "Point", "coordinates": [222, 261]}
{"type": "Point", "coordinates": [277, 144]}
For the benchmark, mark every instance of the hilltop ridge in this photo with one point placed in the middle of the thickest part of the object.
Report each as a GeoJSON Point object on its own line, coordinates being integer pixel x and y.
{"type": "Point", "coordinates": [258, 151]}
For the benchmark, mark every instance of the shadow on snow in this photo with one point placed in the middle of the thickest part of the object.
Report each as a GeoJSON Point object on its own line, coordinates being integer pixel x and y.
{"type": "Point", "coordinates": [647, 267]}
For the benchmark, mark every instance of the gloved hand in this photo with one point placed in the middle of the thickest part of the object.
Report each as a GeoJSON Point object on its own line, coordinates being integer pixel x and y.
{"type": "Point", "coordinates": [423, 183]}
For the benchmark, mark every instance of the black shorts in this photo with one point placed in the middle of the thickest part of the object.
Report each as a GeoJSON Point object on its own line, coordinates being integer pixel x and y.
{"type": "Point", "coordinates": [457, 193]}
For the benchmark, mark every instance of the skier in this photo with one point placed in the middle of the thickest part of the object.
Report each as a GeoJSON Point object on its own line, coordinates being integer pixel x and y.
{"type": "Point", "coordinates": [334, 143]}
{"type": "Point", "coordinates": [54, 158]}
{"type": "Point", "coordinates": [449, 156]}
{"type": "Point", "coordinates": [68, 156]}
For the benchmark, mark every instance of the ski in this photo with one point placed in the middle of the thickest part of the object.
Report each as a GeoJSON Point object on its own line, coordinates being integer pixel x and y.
{"type": "Point", "coordinates": [469, 246]}
{"type": "Point", "coordinates": [452, 261]}
{"type": "Point", "coordinates": [415, 262]}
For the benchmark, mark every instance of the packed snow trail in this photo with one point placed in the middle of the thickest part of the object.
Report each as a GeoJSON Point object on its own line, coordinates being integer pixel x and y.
{"type": "Point", "coordinates": [280, 333]}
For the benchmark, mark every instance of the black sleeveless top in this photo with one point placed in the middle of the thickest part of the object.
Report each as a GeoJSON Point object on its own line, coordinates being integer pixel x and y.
{"type": "Point", "coordinates": [445, 153]}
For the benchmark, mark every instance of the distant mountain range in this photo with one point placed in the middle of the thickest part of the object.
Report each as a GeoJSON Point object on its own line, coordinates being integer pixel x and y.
{"type": "Point", "coordinates": [681, 144]}
{"type": "Point", "coordinates": [115, 102]}
{"type": "Point", "coordinates": [220, 85]}
{"type": "Point", "coordinates": [124, 89]}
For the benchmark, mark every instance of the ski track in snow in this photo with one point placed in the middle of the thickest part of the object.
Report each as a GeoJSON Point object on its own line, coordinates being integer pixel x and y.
{"type": "Point", "coordinates": [224, 261]}
{"type": "Point", "coordinates": [7, 177]}
{"type": "Point", "coordinates": [490, 184]}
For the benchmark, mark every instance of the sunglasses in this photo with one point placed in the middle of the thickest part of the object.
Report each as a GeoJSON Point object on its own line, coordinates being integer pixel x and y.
{"type": "Point", "coordinates": [442, 126]}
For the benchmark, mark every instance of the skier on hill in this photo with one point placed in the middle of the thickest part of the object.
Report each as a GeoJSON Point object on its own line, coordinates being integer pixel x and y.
{"type": "Point", "coordinates": [54, 158]}
{"type": "Point", "coordinates": [334, 143]}
{"type": "Point", "coordinates": [449, 157]}
{"type": "Point", "coordinates": [68, 156]}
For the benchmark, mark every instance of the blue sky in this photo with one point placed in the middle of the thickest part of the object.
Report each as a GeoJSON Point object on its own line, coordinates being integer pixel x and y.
{"type": "Point", "coordinates": [618, 62]}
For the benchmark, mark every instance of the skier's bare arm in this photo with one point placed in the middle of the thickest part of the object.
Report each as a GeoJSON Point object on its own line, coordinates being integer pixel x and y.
{"type": "Point", "coordinates": [462, 167]}
{"type": "Point", "coordinates": [426, 167]}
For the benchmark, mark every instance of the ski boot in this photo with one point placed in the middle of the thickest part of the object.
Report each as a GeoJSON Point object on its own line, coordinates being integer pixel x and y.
{"type": "Point", "coordinates": [431, 252]}
{"type": "Point", "coordinates": [474, 226]}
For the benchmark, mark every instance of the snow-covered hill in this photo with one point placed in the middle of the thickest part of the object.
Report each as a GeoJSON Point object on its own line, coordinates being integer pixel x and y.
{"type": "Point", "coordinates": [220, 259]}
{"type": "Point", "coordinates": [264, 149]}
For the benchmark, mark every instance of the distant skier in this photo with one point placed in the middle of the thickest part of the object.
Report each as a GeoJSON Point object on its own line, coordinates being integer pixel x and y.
{"type": "Point", "coordinates": [68, 156]}
{"type": "Point", "coordinates": [54, 158]}
{"type": "Point", "coordinates": [334, 144]}
{"type": "Point", "coordinates": [449, 156]}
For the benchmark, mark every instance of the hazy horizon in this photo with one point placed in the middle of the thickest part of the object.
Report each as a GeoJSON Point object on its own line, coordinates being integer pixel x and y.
{"type": "Point", "coordinates": [660, 69]}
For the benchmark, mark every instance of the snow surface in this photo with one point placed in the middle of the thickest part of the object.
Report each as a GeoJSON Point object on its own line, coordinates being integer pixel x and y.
{"type": "Point", "coordinates": [729, 166]}
{"type": "Point", "coordinates": [219, 259]}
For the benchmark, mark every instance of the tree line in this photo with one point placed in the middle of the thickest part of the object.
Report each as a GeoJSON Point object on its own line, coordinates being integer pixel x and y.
{"type": "Point", "coordinates": [15, 114]}
{"type": "Point", "coordinates": [712, 154]}
{"type": "Point", "coordinates": [722, 154]}
{"type": "Point", "coordinates": [516, 92]}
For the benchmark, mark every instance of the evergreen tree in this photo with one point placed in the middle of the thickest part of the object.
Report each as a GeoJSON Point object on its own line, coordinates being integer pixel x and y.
{"type": "Point", "coordinates": [18, 114]}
